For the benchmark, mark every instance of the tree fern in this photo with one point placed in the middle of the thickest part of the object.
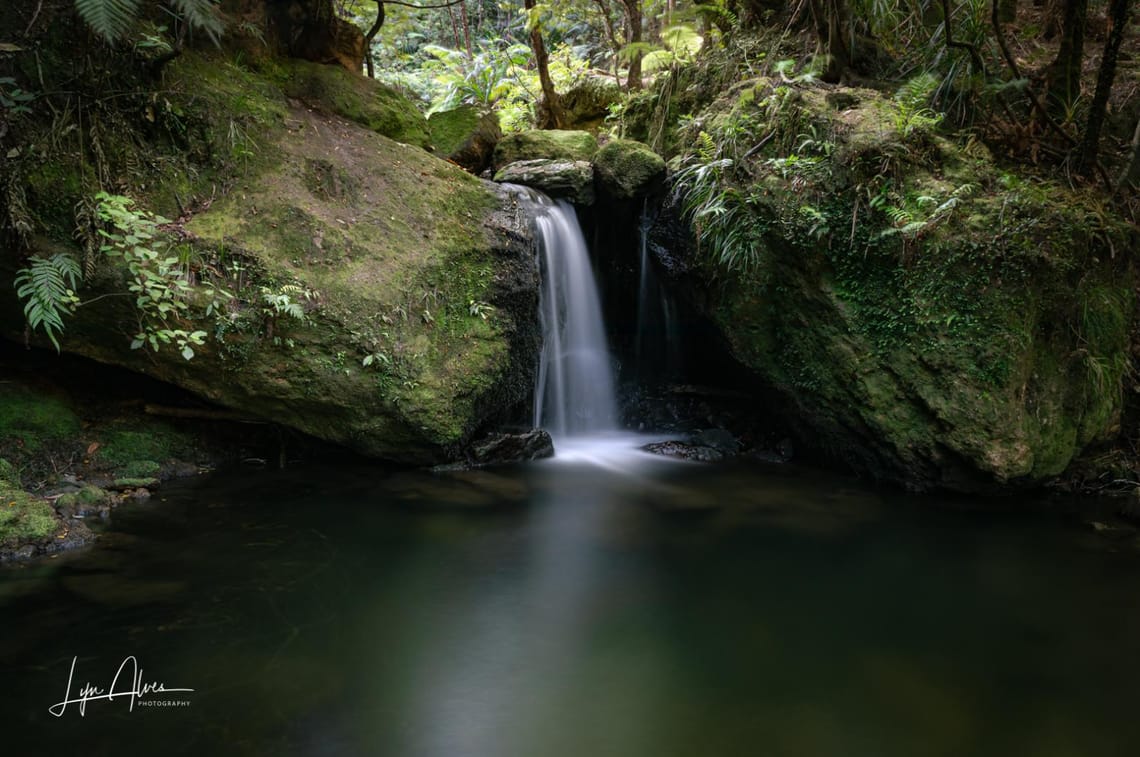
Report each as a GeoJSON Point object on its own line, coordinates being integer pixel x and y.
{"type": "Point", "coordinates": [48, 284]}
{"type": "Point", "coordinates": [201, 15]}
{"type": "Point", "coordinates": [110, 19]}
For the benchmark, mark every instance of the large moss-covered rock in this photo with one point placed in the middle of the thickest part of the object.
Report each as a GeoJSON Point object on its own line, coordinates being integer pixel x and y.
{"type": "Point", "coordinates": [626, 169]}
{"type": "Point", "coordinates": [588, 102]}
{"type": "Point", "coordinates": [569, 179]}
{"type": "Point", "coordinates": [928, 317]}
{"type": "Point", "coordinates": [466, 136]}
{"type": "Point", "coordinates": [352, 287]}
{"type": "Point", "coordinates": [550, 144]}
{"type": "Point", "coordinates": [364, 101]}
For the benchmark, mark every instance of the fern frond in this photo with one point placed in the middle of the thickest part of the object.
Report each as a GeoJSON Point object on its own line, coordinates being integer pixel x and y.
{"type": "Point", "coordinates": [201, 15]}
{"type": "Point", "coordinates": [48, 285]}
{"type": "Point", "coordinates": [110, 19]}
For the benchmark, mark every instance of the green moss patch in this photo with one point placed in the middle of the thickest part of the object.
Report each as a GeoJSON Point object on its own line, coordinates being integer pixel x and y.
{"type": "Point", "coordinates": [23, 518]}
{"type": "Point", "coordinates": [29, 419]}
{"type": "Point", "coordinates": [364, 101]}
{"type": "Point", "coordinates": [626, 169]}
{"type": "Point", "coordinates": [552, 144]}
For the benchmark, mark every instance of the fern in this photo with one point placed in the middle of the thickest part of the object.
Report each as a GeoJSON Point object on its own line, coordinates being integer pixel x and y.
{"type": "Point", "coordinates": [202, 15]}
{"type": "Point", "coordinates": [48, 284]}
{"type": "Point", "coordinates": [110, 19]}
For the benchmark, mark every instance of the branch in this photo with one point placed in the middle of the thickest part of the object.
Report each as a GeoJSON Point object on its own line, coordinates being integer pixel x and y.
{"type": "Point", "coordinates": [424, 7]}
{"type": "Point", "coordinates": [947, 24]}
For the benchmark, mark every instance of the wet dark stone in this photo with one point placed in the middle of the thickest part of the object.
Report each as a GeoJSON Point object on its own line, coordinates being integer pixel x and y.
{"type": "Point", "coordinates": [685, 451]}
{"type": "Point", "coordinates": [510, 448]}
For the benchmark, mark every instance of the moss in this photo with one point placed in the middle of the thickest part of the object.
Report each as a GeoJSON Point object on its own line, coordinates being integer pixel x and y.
{"type": "Point", "coordinates": [626, 169]}
{"type": "Point", "coordinates": [931, 317]}
{"type": "Point", "coordinates": [139, 469]}
{"type": "Point", "coordinates": [138, 447]}
{"type": "Point", "coordinates": [553, 144]}
{"type": "Point", "coordinates": [135, 483]}
{"type": "Point", "coordinates": [29, 420]}
{"type": "Point", "coordinates": [365, 101]}
{"type": "Point", "coordinates": [24, 518]}
{"type": "Point", "coordinates": [451, 129]}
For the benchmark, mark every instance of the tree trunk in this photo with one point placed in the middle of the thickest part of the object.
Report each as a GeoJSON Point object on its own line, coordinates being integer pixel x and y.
{"type": "Point", "coordinates": [611, 34]}
{"type": "Point", "coordinates": [1118, 23]}
{"type": "Point", "coordinates": [832, 22]}
{"type": "Point", "coordinates": [466, 28]}
{"type": "Point", "coordinates": [371, 35]}
{"type": "Point", "coordinates": [633, 22]}
{"type": "Point", "coordinates": [554, 118]}
{"type": "Point", "coordinates": [1064, 74]}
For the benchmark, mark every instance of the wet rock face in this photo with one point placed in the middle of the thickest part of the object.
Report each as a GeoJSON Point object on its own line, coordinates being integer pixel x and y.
{"type": "Point", "coordinates": [535, 444]}
{"type": "Point", "coordinates": [572, 180]}
{"type": "Point", "coordinates": [685, 451]}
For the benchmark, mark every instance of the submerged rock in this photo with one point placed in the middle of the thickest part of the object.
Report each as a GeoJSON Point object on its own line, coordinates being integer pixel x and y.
{"type": "Point", "coordinates": [572, 180]}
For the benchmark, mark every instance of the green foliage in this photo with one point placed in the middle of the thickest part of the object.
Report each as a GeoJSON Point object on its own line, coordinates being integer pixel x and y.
{"type": "Point", "coordinates": [159, 283]}
{"type": "Point", "coordinates": [48, 285]}
{"type": "Point", "coordinates": [112, 19]}
{"type": "Point", "coordinates": [729, 229]}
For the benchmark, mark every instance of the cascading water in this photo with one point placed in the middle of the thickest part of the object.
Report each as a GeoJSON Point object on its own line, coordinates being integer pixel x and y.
{"type": "Point", "coordinates": [574, 395]}
{"type": "Point", "coordinates": [657, 346]}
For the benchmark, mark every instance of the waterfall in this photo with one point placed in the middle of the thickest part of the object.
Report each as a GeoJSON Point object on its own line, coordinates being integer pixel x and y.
{"type": "Point", "coordinates": [574, 394]}
{"type": "Point", "coordinates": [657, 343]}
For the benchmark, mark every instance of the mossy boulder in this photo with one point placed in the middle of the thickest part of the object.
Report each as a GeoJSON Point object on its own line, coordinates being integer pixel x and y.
{"type": "Point", "coordinates": [465, 136]}
{"type": "Point", "coordinates": [372, 104]}
{"type": "Point", "coordinates": [569, 179]}
{"type": "Point", "coordinates": [626, 170]}
{"type": "Point", "coordinates": [23, 518]}
{"type": "Point", "coordinates": [352, 287]}
{"type": "Point", "coordinates": [550, 144]}
{"type": "Point", "coordinates": [588, 102]}
{"type": "Point", "coordinates": [927, 316]}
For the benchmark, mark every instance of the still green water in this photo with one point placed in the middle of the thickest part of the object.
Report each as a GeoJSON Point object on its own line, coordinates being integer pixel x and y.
{"type": "Point", "coordinates": [593, 605]}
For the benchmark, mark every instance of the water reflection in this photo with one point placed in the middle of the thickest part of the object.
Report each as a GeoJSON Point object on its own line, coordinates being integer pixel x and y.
{"type": "Point", "coordinates": [644, 607]}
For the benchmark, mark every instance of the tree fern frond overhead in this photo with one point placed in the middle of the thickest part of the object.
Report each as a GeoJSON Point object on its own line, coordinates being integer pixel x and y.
{"type": "Point", "coordinates": [110, 19]}
{"type": "Point", "coordinates": [200, 14]}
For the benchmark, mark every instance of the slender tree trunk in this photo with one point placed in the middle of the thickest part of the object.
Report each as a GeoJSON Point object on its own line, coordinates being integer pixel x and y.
{"type": "Point", "coordinates": [466, 28]}
{"type": "Point", "coordinates": [633, 23]}
{"type": "Point", "coordinates": [454, 27]}
{"type": "Point", "coordinates": [371, 35]}
{"type": "Point", "coordinates": [1064, 74]}
{"type": "Point", "coordinates": [554, 117]}
{"type": "Point", "coordinates": [1118, 23]}
{"type": "Point", "coordinates": [610, 34]}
